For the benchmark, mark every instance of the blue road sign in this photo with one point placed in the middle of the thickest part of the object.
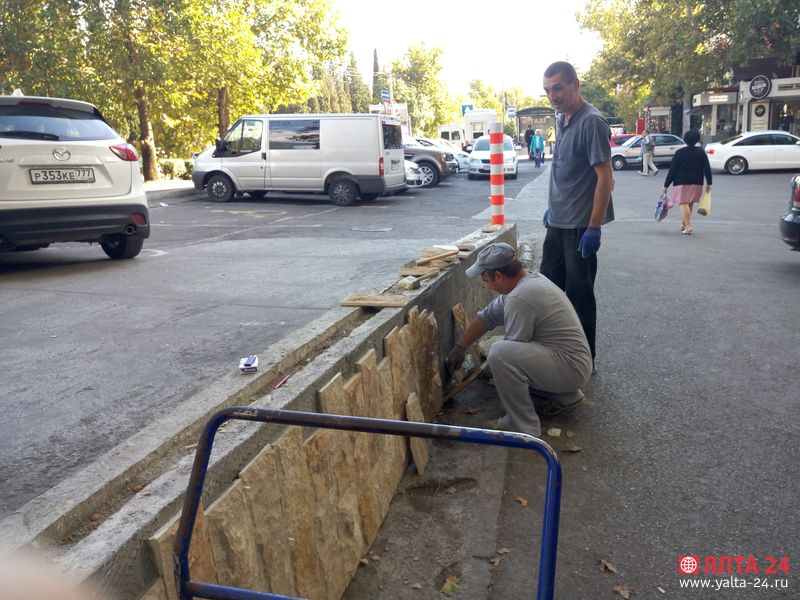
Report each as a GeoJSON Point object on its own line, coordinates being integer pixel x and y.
{"type": "Point", "coordinates": [385, 96]}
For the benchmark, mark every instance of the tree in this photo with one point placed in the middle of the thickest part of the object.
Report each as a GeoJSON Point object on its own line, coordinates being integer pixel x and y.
{"type": "Point", "coordinates": [650, 60]}
{"type": "Point", "coordinates": [418, 82]}
{"type": "Point", "coordinates": [485, 97]}
{"type": "Point", "coordinates": [357, 89]}
{"type": "Point", "coordinates": [376, 85]}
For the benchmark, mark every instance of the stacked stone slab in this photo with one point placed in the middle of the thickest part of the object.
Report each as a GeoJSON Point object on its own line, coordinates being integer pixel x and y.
{"type": "Point", "coordinates": [304, 511]}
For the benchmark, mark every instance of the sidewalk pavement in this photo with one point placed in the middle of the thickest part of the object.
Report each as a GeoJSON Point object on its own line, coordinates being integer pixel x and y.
{"type": "Point", "coordinates": [164, 190]}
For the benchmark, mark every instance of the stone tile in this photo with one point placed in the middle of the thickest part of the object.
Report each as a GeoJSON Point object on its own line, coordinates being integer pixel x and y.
{"type": "Point", "coordinates": [232, 534]}
{"type": "Point", "coordinates": [300, 510]}
{"type": "Point", "coordinates": [201, 561]}
{"type": "Point", "coordinates": [267, 507]}
{"type": "Point", "coordinates": [419, 446]}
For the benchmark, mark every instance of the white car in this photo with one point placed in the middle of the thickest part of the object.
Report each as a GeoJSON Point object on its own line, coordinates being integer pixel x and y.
{"type": "Point", "coordinates": [414, 175]}
{"type": "Point", "coordinates": [479, 158]}
{"type": "Point", "coordinates": [755, 150]}
{"type": "Point", "coordinates": [66, 176]}
{"type": "Point", "coordinates": [462, 158]}
{"type": "Point", "coordinates": [629, 153]}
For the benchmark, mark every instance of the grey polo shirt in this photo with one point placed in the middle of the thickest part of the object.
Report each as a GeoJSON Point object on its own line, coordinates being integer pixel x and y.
{"type": "Point", "coordinates": [580, 144]}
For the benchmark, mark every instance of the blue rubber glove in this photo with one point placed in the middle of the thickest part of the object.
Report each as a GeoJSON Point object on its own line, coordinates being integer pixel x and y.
{"type": "Point", "coordinates": [590, 242]}
{"type": "Point", "coordinates": [546, 218]}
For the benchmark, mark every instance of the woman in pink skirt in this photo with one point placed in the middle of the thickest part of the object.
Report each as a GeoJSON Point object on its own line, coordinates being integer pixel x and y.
{"type": "Point", "coordinates": [686, 172]}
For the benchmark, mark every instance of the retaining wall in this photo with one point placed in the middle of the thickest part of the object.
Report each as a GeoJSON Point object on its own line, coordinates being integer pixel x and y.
{"type": "Point", "coordinates": [287, 510]}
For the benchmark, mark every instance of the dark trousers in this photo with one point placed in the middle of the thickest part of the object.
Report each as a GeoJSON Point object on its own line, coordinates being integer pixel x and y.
{"type": "Point", "coordinates": [563, 264]}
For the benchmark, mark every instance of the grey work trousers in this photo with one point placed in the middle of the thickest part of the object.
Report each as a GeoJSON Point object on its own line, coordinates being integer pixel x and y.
{"type": "Point", "coordinates": [519, 368]}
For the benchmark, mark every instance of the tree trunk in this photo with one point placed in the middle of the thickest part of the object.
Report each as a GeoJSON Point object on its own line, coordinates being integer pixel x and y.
{"type": "Point", "coordinates": [223, 116]}
{"type": "Point", "coordinates": [149, 163]}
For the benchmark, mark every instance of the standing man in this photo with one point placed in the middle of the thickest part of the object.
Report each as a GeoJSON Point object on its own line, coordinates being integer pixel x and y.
{"type": "Point", "coordinates": [543, 350]}
{"type": "Point", "coordinates": [580, 194]}
{"type": "Point", "coordinates": [648, 148]}
{"type": "Point", "coordinates": [528, 138]}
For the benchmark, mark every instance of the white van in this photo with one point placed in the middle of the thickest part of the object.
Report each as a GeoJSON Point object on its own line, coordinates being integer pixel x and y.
{"type": "Point", "coordinates": [342, 155]}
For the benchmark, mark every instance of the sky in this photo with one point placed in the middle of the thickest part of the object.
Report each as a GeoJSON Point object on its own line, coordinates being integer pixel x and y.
{"type": "Point", "coordinates": [530, 35]}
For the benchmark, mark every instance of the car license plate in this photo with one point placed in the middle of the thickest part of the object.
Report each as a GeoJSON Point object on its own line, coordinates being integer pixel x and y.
{"type": "Point", "coordinates": [62, 175]}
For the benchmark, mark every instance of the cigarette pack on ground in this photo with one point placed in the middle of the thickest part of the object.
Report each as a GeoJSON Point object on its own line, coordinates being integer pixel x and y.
{"type": "Point", "coordinates": [249, 364]}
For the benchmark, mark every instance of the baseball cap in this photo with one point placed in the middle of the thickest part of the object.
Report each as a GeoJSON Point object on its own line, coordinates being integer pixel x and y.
{"type": "Point", "coordinates": [494, 256]}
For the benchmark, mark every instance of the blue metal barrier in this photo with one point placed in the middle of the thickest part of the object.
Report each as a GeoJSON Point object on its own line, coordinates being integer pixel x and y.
{"type": "Point", "coordinates": [188, 589]}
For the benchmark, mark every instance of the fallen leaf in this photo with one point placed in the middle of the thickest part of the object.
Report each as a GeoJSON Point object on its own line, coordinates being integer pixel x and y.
{"type": "Point", "coordinates": [503, 550]}
{"type": "Point", "coordinates": [375, 557]}
{"type": "Point", "coordinates": [573, 448]}
{"type": "Point", "coordinates": [522, 501]}
{"type": "Point", "coordinates": [624, 591]}
{"type": "Point", "coordinates": [95, 517]}
{"type": "Point", "coordinates": [570, 434]}
{"type": "Point", "coordinates": [451, 585]}
{"type": "Point", "coordinates": [417, 586]}
{"type": "Point", "coordinates": [451, 490]}
{"type": "Point", "coordinates": [554, 432]}
{"type": "Point", "coordinates": [496, 561]}
{"type": "Point", "coordinates": [604, 565]}
{"type": "Point", "coordinates": [137, 488]}
{"type": "Point", "coordinates": [364, 561]}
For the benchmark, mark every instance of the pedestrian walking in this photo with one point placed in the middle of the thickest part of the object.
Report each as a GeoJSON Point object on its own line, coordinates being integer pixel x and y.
{"type": "Point", "coordinates": [544, 358]}
{"type": "Point", "coordinates": [686, 172]}
{"type": "Point", "coordinates": [536, 148]}
{"type": "Point", "coordinates": [528, 138]}
{"type": "Point", "coordinates": [648, 149]}
{"type": "Point", "coordinates": [580, 194]}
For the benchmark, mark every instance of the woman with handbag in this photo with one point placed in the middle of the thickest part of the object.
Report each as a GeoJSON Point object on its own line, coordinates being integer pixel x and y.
{"type": "Point", "coordinates": [686, 172]}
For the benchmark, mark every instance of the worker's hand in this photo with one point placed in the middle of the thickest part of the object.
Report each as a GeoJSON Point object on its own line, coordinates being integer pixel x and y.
{"type": "Point", "coordinates": [546, 218]}
{"type": "Point", "coordinates": [454, 359]}
{"type": "Point", "coordinates": [590, 242]}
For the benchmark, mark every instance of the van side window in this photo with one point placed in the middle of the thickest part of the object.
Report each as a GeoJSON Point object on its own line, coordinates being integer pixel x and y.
{"type": "Point", "coordinates": [244, 137]}
{"type": "Point", "coordinates": [294, 135]}
{"type": "Point", "coordinates": [392, 137]}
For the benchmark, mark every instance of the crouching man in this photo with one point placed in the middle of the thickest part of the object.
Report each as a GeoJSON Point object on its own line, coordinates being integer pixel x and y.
{"type": "Point", "coordinates": [544, 358]}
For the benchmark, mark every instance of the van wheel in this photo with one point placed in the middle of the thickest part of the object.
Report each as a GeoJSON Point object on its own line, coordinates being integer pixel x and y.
{"type": "Point", "coordinates": [369, 197]}
{"type": "Point", "coordinates": [220, 188]}
{"type": "Point", "coordinates": [618, 163]}
{"type": "Point", "coordinates": [343, 192]}
{"type": "Point", "coordinates": [430, 175]}
{"type": "Point", "coordinates": [122, 247]}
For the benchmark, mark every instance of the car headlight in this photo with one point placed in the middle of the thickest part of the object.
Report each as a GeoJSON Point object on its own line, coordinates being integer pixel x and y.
{"type": "Point", "coordinates": [474, 161]}
{"type": "Point", "coordinates": [509, 160]}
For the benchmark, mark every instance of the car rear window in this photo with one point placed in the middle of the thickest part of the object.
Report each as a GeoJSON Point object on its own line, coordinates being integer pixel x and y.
{"type": "Point", "coordinates": [29, 120]}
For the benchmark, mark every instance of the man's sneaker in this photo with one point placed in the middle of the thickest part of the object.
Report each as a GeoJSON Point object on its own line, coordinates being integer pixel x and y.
{"type": "Point", "coordinates": [551, 408]}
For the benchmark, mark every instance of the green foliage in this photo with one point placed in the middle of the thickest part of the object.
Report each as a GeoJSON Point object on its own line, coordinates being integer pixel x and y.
{"type": "Point", "coordinates": [485, 97]}
{"type": "Point", "coordinates": [418, 82]}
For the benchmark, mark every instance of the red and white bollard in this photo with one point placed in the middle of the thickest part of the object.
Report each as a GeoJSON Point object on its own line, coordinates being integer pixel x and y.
{"type": "Point", "coordinates": [496, 178]}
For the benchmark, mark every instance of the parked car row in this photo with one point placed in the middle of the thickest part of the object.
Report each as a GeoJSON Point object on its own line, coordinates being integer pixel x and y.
{"type": "Point", "coordinates": [755, 150]}
{"type": "Point", "coordinates": [629, 154]}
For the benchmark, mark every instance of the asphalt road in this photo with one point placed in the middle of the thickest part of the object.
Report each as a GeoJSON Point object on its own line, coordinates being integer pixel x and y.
{"type": "Point", "coordinates": [95, 349]}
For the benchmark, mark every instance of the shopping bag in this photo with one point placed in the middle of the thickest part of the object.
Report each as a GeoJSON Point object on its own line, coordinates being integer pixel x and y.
{"type": "Point", "coordinates": [664, 202]}
{"type": "Point", "coordinates": [704, 208]}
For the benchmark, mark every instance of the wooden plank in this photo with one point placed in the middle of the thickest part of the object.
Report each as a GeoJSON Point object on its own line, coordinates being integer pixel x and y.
{"type": "Point", "coordinates": [420, 272]}
{"type": "Point", "coordinates": [381, 300]}
{"type": "Point", "coordinates": [440, 256]}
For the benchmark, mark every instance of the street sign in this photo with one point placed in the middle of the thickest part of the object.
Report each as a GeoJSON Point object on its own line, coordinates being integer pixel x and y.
{"type": "Point", "coordinates": [466, 107]}
{"type": "Point", "coordinates": [385, 96]}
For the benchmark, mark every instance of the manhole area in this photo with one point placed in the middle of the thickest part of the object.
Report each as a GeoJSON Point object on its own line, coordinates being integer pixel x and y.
{"type": "Point", "coordinates": [371, 228]}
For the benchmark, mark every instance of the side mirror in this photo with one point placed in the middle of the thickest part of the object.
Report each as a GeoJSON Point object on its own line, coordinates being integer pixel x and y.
{"type": "Point", "coordinates": [221, 147]}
